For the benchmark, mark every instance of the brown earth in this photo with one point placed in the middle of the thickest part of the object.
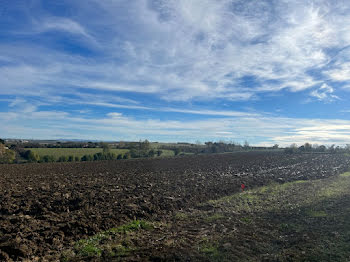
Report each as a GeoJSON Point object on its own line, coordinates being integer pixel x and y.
{"type": "Point", "coordinates": [44, 208]}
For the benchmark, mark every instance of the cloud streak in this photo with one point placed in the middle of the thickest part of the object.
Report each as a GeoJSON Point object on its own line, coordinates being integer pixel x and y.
{"type": "Point", "coordinates": [200, 60]}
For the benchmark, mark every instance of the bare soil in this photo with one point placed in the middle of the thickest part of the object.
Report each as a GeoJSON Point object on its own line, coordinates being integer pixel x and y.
{"type": "Point", "coordinates": [45, 209]}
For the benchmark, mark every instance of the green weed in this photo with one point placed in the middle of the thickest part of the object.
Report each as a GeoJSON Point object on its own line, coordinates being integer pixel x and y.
{"type": "Point", "coordinates": [315, 213]}
{"type": "Point", "coordinates": [214, 217]}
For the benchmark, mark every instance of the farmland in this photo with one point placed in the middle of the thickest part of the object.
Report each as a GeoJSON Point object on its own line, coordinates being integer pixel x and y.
{"type": "Point", "coordinates": [79, 152]}
{"type": "Point", "coordinates": [178, 208]}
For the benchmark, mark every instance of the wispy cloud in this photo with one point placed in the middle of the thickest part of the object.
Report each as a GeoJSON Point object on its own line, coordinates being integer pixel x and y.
{"type": "Point", "coordinates": [199, 58]}
{"type": "Point", "coordinates": [324, 93]}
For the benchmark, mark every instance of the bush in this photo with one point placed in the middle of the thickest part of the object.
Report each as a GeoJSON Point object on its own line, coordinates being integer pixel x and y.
{"type": "Point", "coordinates": [126, 156]}
{"type": "Point", "coordinates": [63, 159]}
{"type": "Point", "coordinates": [7, 156]}
{"type": "Point", "coordinates": [120, 156]}
{"type": "Point", "coordinates": [47, 159]}
{"type": "Point", "coordinates": [177, 151]}
{"type": "Point", "coordinates": [31, 156]}
{"type": "Point", "coordinates": [77, 159]}
{"type": "Point", "coordinates": [151, 153]}
{"type": "Point", "coordinates": [159, 152]}
{"type": "Point", "coordinates": [70, 158]}
{"type": "Point", "coordinates": [87, 158]}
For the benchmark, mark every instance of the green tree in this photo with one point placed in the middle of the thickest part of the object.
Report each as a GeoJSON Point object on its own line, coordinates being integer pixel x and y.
{"type": "Point", "coordinates": [7, 156]}
{"type": "Point", "coordinates": [151, 153]}
{"type": "Point", "coordinates": [31, 156]}
{"type": "Point", "coordinates": [177, 151]}
{"type": "Point", "coordinates": [105, 148]}
{"type": "Point", "coordinates": [307, 147]}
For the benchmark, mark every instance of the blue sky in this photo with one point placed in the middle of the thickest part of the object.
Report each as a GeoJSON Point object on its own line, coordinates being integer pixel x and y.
{"type": "Point", "coordinates": [176, 70]}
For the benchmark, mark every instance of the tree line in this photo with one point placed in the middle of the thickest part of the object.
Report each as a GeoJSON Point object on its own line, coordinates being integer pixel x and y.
{"type": "Point", "coordinates": [309, 148]}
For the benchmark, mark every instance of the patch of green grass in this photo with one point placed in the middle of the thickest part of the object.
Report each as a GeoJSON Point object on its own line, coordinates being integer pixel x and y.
{"type": "Point", "coordinates": [291, 227]}
{"type": "Point", "coordinates": [316, 213]}
{"type": "Point", "coordinates": [180, 215]}
{"type": "Point", "coordinates": [90, 250]}
{"type": "Point", "coordinates": [79, 152]}
{"type": "Point", "coordinates": [167, 153]}
{"type": "Point", "coordinates": [132, 226]}
{"type": "Point", "coordinates": [347, 174]}
{"type": "Point", "coordinates": [246, 220]}
{"type": "Point", "coordinates": [210, 250]}
{"type": "Point", "coordinates": [94, 246]}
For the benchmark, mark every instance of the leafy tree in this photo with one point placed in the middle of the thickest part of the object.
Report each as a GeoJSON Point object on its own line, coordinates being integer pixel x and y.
{"type": "Point", "coordinates": [293, 148]}
{"type": "Point", "coordinates": [145, 145]}
{"type": "Point", "coordinates": [151, 153]}
{"type": "Point", "coordinates": [31, 156]}
{"type": "Point", "coordinates": [177, 151]}
{"type": "Point", "coordinates": [7, 156]}
{"type": "Point", "coordinates": [2, 141]}
{"type": "Point", "coordinates": [308, 147]}
{"type": "Point", "coordinates": [246, 144]}
{"type": "Point", "coordinates": [105, 148]}
{"type": "Point", "coordinates": [322, 148]}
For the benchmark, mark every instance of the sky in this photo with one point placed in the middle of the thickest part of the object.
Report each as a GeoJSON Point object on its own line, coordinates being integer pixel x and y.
{"type": "Point", "coordinates": [267, 72]}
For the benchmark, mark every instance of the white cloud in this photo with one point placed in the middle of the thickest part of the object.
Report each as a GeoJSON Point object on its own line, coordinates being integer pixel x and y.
{"type": "Point", "coordinates": [266, 130]}
{"type": "Point", "coordinates": [324, 93]}
{"type": "Point", "coordinates": [62, 24]}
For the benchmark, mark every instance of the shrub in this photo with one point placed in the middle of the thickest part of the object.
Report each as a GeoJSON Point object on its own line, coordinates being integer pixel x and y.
{"type": "Point", "coordinates": [47, 159]}
{"type": "Point", "coordinates": [63, 159]}
{"type": "Point", "coordinates": [31, 156]}
{"type": "Point", "coordinates": [151, 153]}
{"type": "Point", "coordinates": [87, 158]}
{"type": "Point", "coordinates": [7, 156]}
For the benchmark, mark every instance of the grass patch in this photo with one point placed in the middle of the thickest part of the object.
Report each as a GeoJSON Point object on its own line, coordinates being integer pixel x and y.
{"type": "Point", "coordinates": [90, 250]}
{"type": "Point", "coordinates": [76, 152]}
{"type": "Point", "coordinates": [315, 213]}
{"type": "Point", "coordinates": [133, 226]}
{"type": "Point", "coordinates": [181, 216]}
{"type": "Point", "coordinates": [290, 227]}
{"type": "Point", "coordinates": [347, 174]}
{"type": "Point", "coordinates": [167, 153]}
{"type": "Point", "coordinates": [246, 220]}
{"type": "Point", "coordinates": [211, 251]}
{"type": "Point", "coordinates": [107, 242]}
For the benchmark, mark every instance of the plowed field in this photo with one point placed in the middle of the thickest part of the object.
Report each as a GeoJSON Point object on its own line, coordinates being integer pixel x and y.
{"type": "Point", "coordinates": [46, 208]}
